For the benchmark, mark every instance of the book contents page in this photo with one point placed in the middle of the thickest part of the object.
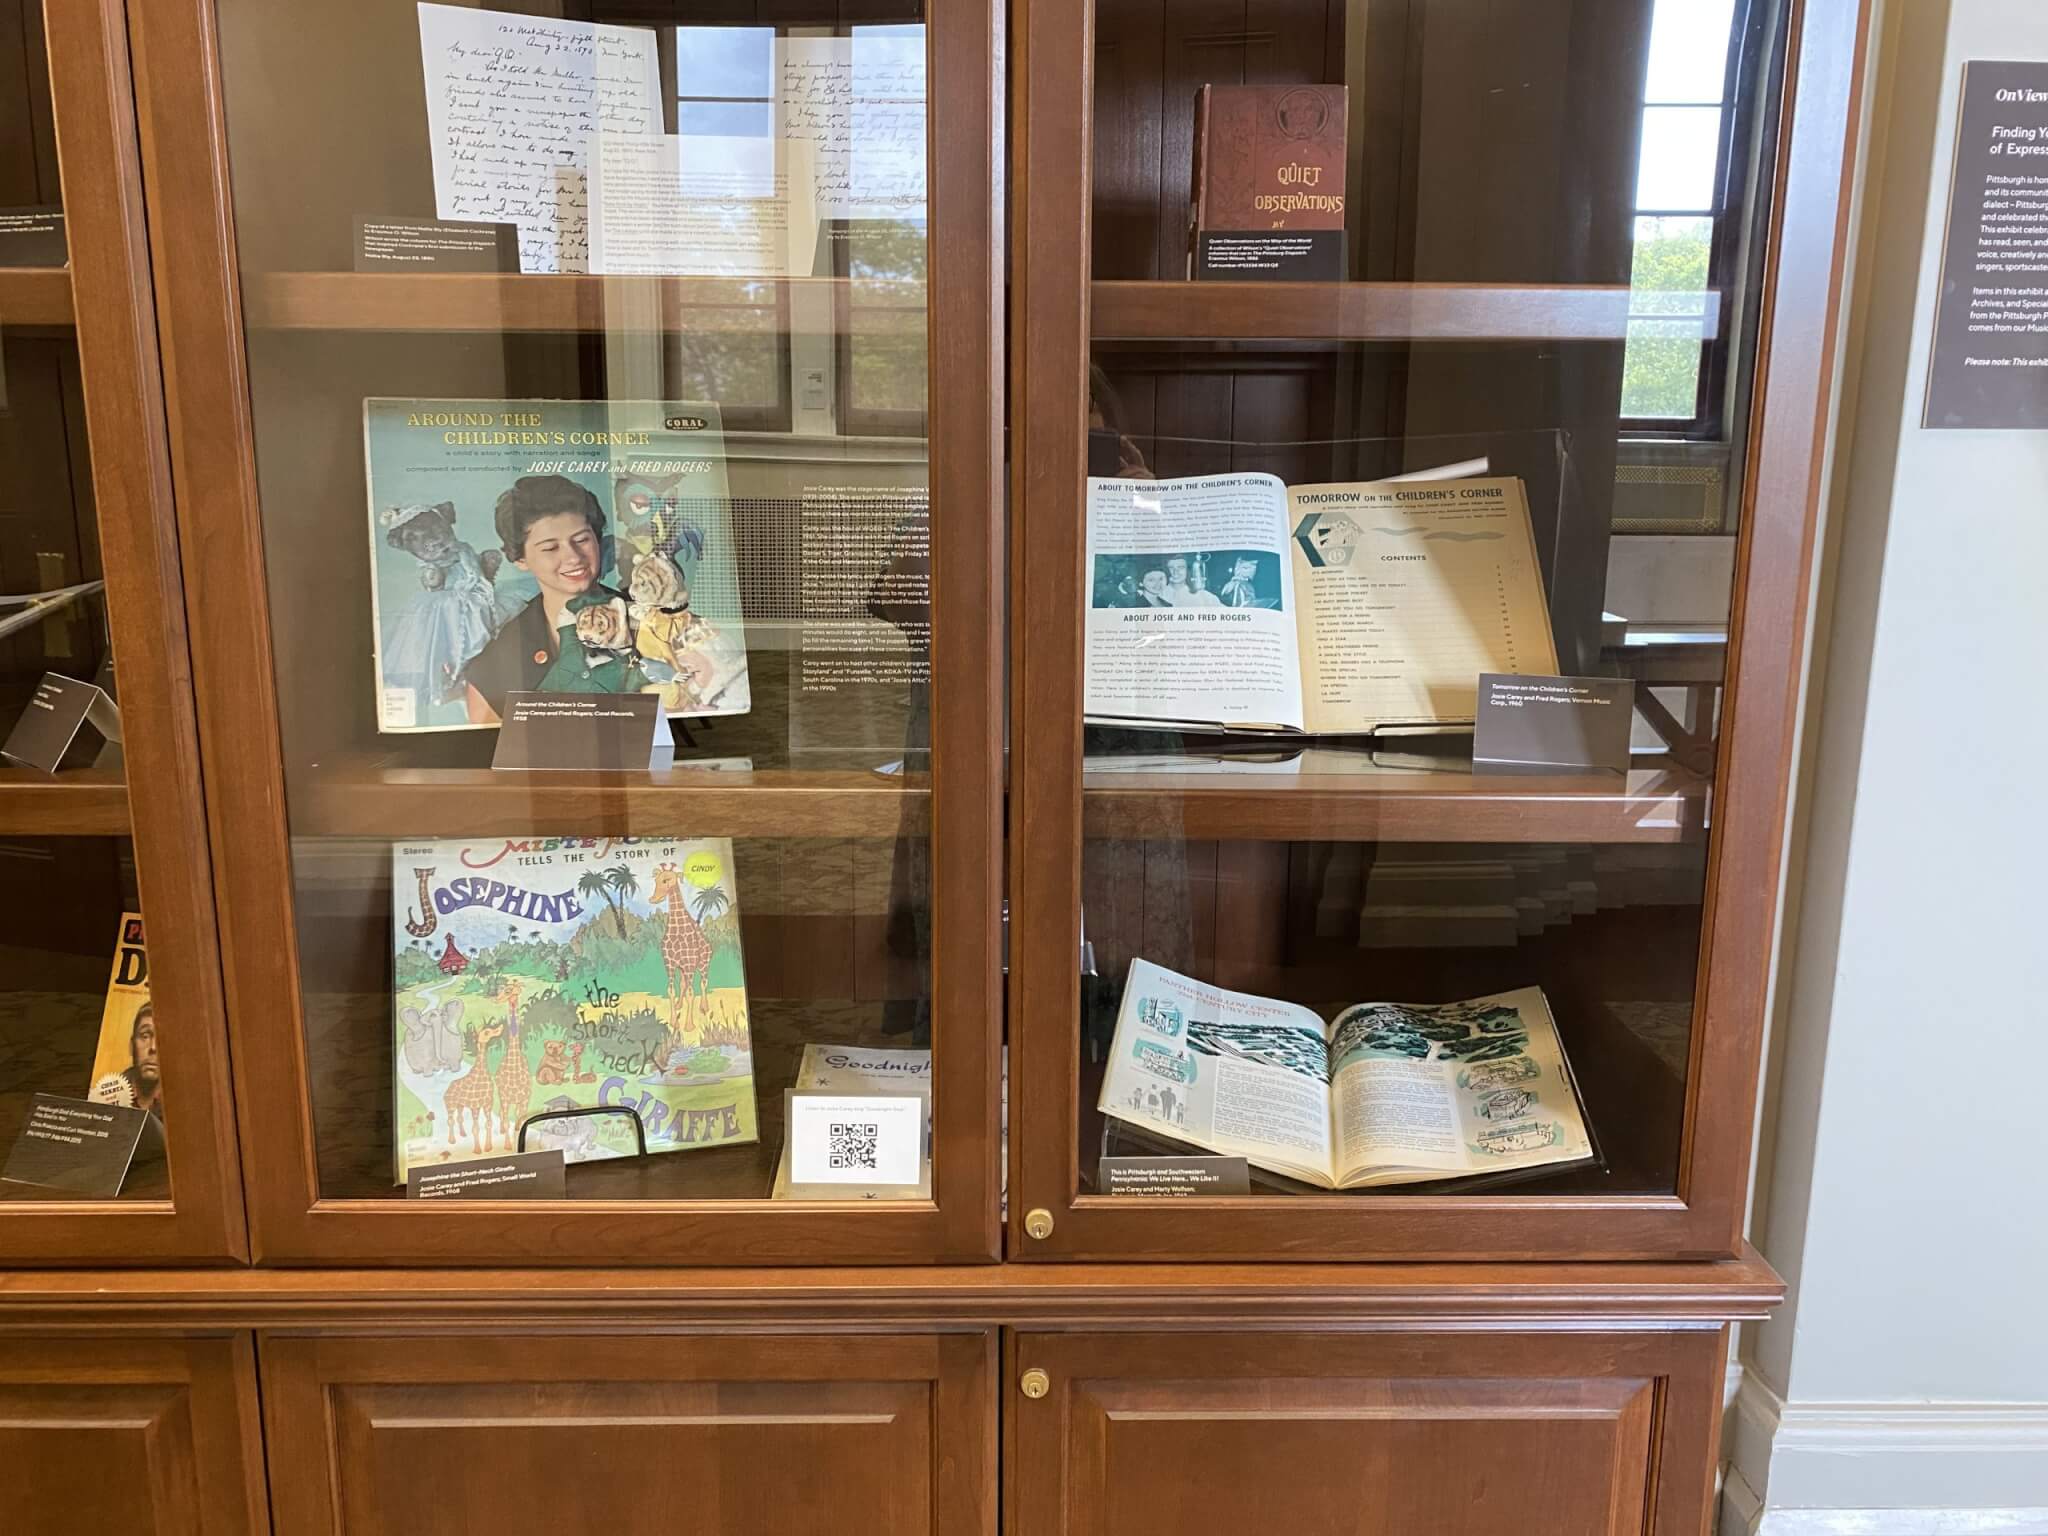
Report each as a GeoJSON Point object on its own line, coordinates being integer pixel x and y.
{"type": "Point", "coordinates": [1191, 602]}
{"type": "Point", "coordinates": [1408, 593]}
{"type": "Point", "coordinates": [1227, 1071]}
{"type": "Point", "coordinates": [1461, 1088]}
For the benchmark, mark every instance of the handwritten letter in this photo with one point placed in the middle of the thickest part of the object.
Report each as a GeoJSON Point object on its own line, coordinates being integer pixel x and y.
{"type": "Point", "coordinates": [513, 103]}
{"type": "Point", "coordinates": [860, 101]}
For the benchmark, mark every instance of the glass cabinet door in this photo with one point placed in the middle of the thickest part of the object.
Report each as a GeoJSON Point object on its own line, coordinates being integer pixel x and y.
{"type": "Point", "coordinates": [1414, 601]}
{"type": "Point", "coordinates": [116, 1140]}
{"type": "Point", "coordinates": [602, 423]}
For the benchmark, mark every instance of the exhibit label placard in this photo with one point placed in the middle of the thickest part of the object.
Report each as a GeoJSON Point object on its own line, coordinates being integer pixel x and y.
{"type": "Point", "coordinates": [75, 1145]}
{"type": "Point", "coordinates": [32, 237]}
{"type": "Point", "coordinates": [838, 1138]}
{"type": "Point", "coordinates": [1176, 1177]}
{"type": "Point", "coordinates": [1536, 724]}
{"type": "Point", "coordinates": [584, 732]}
{"type": "Point", "coordinates": [436, 245]}
{"type": "Point", "coordinates": [57, 710]}
{"type": "Point", "coordinates": [1989, 364]}
{"type": "Point", "coordinates": [509, 1176]}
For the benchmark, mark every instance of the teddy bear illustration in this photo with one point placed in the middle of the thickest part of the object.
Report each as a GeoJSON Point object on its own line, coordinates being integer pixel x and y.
{"type": "Point", "coordinates": [428, 642]}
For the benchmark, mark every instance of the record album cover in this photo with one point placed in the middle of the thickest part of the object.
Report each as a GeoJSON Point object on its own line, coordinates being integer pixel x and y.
{"type": "Point", "coordinates": [125, 1068]}
{"type": "Point", "coordinates": [564, 546]}
{"type": "Point", "coordinates": [545, 974]}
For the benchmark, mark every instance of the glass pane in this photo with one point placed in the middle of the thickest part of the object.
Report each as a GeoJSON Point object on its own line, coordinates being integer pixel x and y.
{"type": "Point", "coordinates": [1671, 270]}
{"type": "Point", "coordinates": [624, 471]}
{"type": "Point", "coordinates": [76, 1018]}
{"type": "Point", "coordinates": [714, 62]}
{"type": "Point", "coordinates": [1661, 376]}
{"type": "Point", "coordinates": [1689, 51]}
{"type": "Point", "coordinates": [1347, 922]}
{"type": "Point", "coordinates": [1662, 361]}
{"type": "Point", "coordinates": [1681, 146]}
{"type": "Point", "coordinates": [78, 1025]}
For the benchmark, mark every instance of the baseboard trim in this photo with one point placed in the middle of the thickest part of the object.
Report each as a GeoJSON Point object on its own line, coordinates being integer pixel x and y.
{"type": "Point", "coordinates": [1893, 1522]}
{"type": "Point", "coordinates": [1937, 1467]}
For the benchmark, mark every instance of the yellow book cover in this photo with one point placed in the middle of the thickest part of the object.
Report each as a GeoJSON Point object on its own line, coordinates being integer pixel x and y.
{"type": "Point", "coordinates": [125, 1069]}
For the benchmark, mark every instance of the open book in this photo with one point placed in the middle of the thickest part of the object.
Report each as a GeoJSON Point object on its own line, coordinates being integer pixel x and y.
{"type": "Point", "coordinates": [1234, 602]}
{"type": "Point", "coordinates": [1387, 1093]}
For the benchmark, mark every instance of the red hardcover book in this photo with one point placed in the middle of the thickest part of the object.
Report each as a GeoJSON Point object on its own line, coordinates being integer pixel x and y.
{"type": "Point", "coordinates": [1268, 157]}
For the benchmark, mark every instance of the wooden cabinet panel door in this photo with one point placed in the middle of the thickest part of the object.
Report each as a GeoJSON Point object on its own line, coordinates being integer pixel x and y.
{"type": "Point", "coordinates": [130, 1434]}
{"type": "Point", "coordinates": [1453, 1434]}
{"type": "Point", "coordinates": [745, 1436]}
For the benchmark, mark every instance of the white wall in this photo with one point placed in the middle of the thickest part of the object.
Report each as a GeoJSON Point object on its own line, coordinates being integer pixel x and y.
{"type": "Point", "coordinates": [1904, 1187]}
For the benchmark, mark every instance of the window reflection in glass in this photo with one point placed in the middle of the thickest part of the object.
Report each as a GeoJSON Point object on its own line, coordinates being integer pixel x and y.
{"type": "Point", "coordinates": [1679, 199]}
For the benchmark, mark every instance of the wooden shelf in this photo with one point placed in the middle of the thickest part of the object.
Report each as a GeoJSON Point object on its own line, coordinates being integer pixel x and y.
{"type": "Point", "coordinates": [578, 302]}
{"type": "Point", "coordinates": [571, 302]}
{"type": "Point", "coordinates": [1363, 312]}
{"type": "Point", "coordinates": [35, 296]}
{"type": "Point", "coordinates": [84, 802]}
{"type": "Point", "coordinates": [363, 799]}
{"type": "Point", "coordinates": [1663, 806]}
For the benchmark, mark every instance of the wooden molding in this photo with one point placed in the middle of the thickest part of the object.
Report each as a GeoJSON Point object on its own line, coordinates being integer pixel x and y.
{"type": "Point", "coordinates": [1390, 1295]}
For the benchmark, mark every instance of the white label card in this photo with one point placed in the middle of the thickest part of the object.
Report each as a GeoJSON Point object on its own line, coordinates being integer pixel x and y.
{"type": "Point", "coordinates": [856, 1138]}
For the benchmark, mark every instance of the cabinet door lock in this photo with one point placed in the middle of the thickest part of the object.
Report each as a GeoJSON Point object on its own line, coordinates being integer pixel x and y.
{"type": "Point", "coordinates": [1039, 1223]}
{"type": "Point", "coordinates": [1035, 1383]}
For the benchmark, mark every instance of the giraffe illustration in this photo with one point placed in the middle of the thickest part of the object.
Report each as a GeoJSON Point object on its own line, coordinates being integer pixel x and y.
{"type": "Point", "coordinates": [514, 1076]}
{"type": "Point", "coordinates": [471, 1094]}
{"type": "Point", "coordinates": [685, 952]}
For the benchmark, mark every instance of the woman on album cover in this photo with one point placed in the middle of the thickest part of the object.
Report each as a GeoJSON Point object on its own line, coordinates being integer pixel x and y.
{"type": "Point", "coordinates": [575, 636]}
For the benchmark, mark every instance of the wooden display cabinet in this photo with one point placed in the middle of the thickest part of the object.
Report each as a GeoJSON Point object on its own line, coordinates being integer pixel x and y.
{"type": "Point", "coordinates": [271, 352]}
{"type": "Point", "coordinates": [89, 463]}
{"type": "Point", "coordinates": [668, 1337]}
{"type": "Point", "coordinates": [1485, 313]}
{"type": "Point", "coordinates": [1576, 1396]}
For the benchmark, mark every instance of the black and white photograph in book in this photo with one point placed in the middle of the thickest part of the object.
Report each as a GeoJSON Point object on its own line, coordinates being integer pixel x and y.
{"type": "Point", "coordinates": [1215, 578]}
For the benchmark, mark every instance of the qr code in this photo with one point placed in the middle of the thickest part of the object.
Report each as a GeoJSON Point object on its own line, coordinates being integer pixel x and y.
{"type": "Point", "coordinates": [853, 1143]}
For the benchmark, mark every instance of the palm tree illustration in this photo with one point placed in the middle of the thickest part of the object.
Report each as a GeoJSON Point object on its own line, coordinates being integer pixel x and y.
{"type": "Point", "coordinates": [595, 884]}
{"type": "Point", "coordinates": [621, 879]}
{"type": "Point", "coordinates": [710, 901]}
